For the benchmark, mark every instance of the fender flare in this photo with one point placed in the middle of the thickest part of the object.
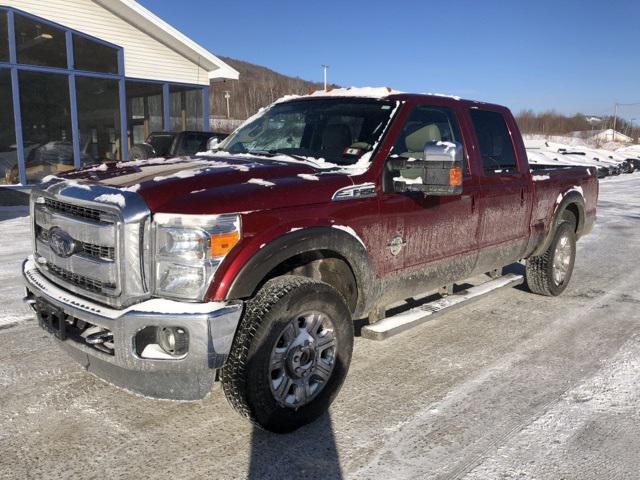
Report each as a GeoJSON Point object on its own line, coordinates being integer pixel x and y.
{"type": "Point", "coordinates": [570, 197]}
{"type": "Point", "coordinates": [307, 240]}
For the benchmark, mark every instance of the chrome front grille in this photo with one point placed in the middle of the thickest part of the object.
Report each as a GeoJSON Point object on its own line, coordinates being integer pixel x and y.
{"type": "Point", "coordinates": [81, 281]}
{"type": "Point", "coordinates": [73, 210]}
{"type": "Point", "coordinates": [90, 249]}
{"type": "Point", "coordinates": [98, 249]}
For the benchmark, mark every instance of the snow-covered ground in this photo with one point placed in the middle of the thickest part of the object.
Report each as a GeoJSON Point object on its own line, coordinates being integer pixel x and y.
{"type": "Point", "coordinates": [514, 386]}
{"type": "Point", "coordinates": [559, 150]}
{"type": "Point", "coordinates": [14, 248]}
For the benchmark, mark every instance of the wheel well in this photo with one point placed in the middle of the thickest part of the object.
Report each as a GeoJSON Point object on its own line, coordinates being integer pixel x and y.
{"type": "Point", "coordinates": [323, 265]}
{"type": "Point", "coordinates": [574, 210]}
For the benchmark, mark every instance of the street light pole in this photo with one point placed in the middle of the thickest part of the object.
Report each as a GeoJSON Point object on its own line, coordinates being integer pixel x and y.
{"type": "Point", "coordinates": [324, 68]}
{"type": "Point", "coordinates": [227, 96]}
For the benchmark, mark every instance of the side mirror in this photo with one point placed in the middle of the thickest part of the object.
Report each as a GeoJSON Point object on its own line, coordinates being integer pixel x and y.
{"type": "Point", "coordinates": [212, 143]}
{"type": "Point", "coordinates": [439, 172]}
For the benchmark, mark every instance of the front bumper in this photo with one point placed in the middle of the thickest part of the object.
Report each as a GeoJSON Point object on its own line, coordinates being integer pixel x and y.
{"type": "Point", "coordinates": [211, 328]}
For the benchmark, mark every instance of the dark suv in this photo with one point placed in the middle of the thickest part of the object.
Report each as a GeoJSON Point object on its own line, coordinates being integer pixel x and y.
{"type": "Point", "coordinates": [173, 144]}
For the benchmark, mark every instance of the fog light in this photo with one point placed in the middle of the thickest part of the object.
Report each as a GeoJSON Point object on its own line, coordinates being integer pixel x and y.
{"type": "Point", "coordinates": [173, 340]}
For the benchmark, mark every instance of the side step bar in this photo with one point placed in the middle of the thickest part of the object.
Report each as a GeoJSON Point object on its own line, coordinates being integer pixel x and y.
{"type": "Point", "coordinates": [403, 321]}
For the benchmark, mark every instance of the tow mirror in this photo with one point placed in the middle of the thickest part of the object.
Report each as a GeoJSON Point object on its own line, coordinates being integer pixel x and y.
{"type": "Point", "coordinates": [212, 143]}
{"type": "Point", "coordinates": [439, 172]}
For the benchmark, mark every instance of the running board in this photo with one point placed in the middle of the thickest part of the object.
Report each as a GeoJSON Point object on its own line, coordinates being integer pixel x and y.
{"type": "Point", "coordinates": [403, 321]}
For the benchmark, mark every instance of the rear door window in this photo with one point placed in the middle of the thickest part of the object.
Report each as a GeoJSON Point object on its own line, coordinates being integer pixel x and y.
{"type": "Point", "coordinates": [496, 147]}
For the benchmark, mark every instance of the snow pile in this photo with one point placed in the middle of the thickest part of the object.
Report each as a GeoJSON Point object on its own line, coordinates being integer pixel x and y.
{"type": "Point", "coordinates": [132, 188]}
{"type": "Point", "coordinates": [539, 178]}
{"type": "Point", "coordinates": [367, 92]}
{"type": "Point", "coordinates": [409, 181]}
{"type": "Point", "coordinates": [114, 198]}
{"type": "Point", "coordinates": [260, 181]}
{"type": "Point", "coordinates": [179, 174]}
{"type": "Point", "coordinates": [98, 168]}
{"type": "Point", "coordinates": [307, 176]}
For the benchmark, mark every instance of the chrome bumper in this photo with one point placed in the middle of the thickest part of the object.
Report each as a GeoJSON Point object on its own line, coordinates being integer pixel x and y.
{"type": "Point", "coordinates": [211, 328]}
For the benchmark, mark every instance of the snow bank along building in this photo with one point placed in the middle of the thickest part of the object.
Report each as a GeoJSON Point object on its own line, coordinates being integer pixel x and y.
{"type": "Point", "coordinates": [81, 81]}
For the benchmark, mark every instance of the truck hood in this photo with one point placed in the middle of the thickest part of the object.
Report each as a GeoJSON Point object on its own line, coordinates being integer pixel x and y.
{"type": "Point", "coordinates": [219, 184]}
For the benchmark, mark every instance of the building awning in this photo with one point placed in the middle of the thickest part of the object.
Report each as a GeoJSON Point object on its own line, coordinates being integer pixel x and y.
{"type": "Point", "coordinates": [154, 26]}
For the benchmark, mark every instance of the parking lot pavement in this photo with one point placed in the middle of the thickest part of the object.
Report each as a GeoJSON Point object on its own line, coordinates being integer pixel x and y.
{"type": "Point", "coordinates": [514, 386]}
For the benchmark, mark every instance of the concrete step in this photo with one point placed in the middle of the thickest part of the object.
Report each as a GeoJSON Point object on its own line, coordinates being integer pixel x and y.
{"type": "Point", "coordinates": [403, 321]}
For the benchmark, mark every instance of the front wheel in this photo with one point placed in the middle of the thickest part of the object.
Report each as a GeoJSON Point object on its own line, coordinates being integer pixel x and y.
{"type": "Point", "coordinates": [291, 354]}
{"type": "Point", "coordinates": [549, 273]}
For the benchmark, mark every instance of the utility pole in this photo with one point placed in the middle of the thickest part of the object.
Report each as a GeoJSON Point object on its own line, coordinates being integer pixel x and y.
{"type": "Point", "coordinates": [324, 68]}
{"type": "Point", "coordinates": [615, 121]}
{"type": "Point", "coordinates": [227, 96]}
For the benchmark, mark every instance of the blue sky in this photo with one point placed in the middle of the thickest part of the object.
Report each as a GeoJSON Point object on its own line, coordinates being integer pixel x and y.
{"type": "Point", "coordinates": [565, 55]}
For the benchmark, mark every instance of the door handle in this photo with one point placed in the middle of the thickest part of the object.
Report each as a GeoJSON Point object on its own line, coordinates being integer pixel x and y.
{"type": "Point", "coordinates": [522, 196]}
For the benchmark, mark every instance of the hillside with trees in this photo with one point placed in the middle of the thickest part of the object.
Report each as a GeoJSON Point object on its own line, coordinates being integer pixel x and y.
{"type": "Point", "coordinates": [554, 123]}
{"type": "Point", "coordinates": [258, 87]}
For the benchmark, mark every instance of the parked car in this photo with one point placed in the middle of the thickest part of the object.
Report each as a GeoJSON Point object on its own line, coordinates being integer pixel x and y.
{"type": "Point", "coordinates": [174, 144]}
{"type": "Point", "coordinates": [249, 266]}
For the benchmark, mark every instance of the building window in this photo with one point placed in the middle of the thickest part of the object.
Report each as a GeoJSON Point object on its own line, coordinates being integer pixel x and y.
{"type": "Point", "coordinates": [39, 43]}
{"type": "Point", "coordinates": [144, 110]}
{"type": "Point", "coordinates": [98, 119]}
{"type": "Point", "coordinates": [93, 56]}
{"type": "Point", "coordinates": [4, 37]}
{"type": "Point", "coordinates": [8, 153]}
{"type": "Point", "coordinates": [186, 108]}
{"type": "Point", "coordinates": [46, 124]}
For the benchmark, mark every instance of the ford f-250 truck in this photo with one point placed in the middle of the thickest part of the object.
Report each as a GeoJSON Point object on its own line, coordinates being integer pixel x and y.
{"type": "Point", "coordinates": [249, 266]}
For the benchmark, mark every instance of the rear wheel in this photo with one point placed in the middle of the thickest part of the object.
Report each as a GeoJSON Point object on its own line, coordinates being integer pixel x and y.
{"type": "Point", "coordinates": [549, 273]}
{"type": "Point", "coordinates": [291, 353]}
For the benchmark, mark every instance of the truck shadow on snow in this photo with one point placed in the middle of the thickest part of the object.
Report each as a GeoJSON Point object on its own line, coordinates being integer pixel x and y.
{"type": "Point", "coordinates": [308, 453]}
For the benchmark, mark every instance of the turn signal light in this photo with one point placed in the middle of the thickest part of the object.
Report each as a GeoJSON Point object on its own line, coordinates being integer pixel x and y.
{"type": "Point", "coordinates": [222, 243]}
{"type": "Point", "coordinates": [455, 177]}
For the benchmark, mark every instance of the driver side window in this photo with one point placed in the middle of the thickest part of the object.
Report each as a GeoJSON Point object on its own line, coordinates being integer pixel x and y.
{"type": "Point", "coordinates": [427, 124]}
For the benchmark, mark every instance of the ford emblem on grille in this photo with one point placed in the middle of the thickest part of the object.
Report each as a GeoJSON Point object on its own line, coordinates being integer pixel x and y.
{"type": "Point", "coordinates": [61, 242]}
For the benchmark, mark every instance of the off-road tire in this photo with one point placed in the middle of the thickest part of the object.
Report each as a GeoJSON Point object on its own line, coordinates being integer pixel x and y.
{"type": "Point", "coordinates": [245, 376]}
{"type": "Point", "coordinates": [540, 278]}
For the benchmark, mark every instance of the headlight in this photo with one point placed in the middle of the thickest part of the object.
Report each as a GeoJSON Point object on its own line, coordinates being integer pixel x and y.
{"type": "Point", "coordinates": [188, 251]}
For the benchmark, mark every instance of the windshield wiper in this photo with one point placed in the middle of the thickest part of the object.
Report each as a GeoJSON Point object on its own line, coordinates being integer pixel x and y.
{"type": "Point", "coordinates": [291, 155]}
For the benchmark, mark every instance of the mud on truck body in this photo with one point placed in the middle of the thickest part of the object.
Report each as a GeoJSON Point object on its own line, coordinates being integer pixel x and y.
{"type": "Point", "coordinates": [249, 265]}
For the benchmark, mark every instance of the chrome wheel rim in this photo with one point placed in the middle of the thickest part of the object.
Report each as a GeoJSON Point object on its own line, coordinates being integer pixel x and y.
{"type": "Point", "coordinates": [302, 359]}
{"type": "Point", "coordinates": [562, 260]}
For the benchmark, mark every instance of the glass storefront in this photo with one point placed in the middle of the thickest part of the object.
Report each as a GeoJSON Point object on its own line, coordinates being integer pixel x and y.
{"type": "Point", "coordinates": [39, 43]}
{"type": "Point", "coordinates": [69, 102]}
{"type": "Point", "coordinates": [93, 56]}
{"type": "Point", "coordinates": [186, 108]}
{"type": "Point", "coordinates": [8, 151]}
{"type": "Point", "coordinates": [98, 119]}
{"type": "Point", "coordinates": [46, 124]}
{"type": "Point", "coordinates": [4, 37]}
{"type": "Point", "coordinates": [144, 110]}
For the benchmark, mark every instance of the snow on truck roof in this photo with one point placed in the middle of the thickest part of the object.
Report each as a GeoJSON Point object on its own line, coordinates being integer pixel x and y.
{"type": "Point", "coordinates": [361, 92]}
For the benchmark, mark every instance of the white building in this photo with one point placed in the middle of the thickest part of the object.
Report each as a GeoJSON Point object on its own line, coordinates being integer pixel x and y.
{"type": "Point", "coordinates": [608, 135]}
{"type": "Point", "coordinates": [83, 80]}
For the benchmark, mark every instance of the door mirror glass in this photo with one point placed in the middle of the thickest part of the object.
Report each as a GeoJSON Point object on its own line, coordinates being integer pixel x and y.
{"type": "Point", "coordinates": [439, 172]}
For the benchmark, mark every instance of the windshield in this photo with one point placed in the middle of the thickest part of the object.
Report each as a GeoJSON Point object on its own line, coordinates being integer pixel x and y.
{"type": "Point", "coordinates": [161, 143]}
{"type": "Point", "coordinates": [338, 130]}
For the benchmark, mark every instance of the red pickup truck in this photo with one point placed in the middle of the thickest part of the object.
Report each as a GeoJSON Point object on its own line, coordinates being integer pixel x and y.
{"type": "Point", "coordinates": [249, 265]}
